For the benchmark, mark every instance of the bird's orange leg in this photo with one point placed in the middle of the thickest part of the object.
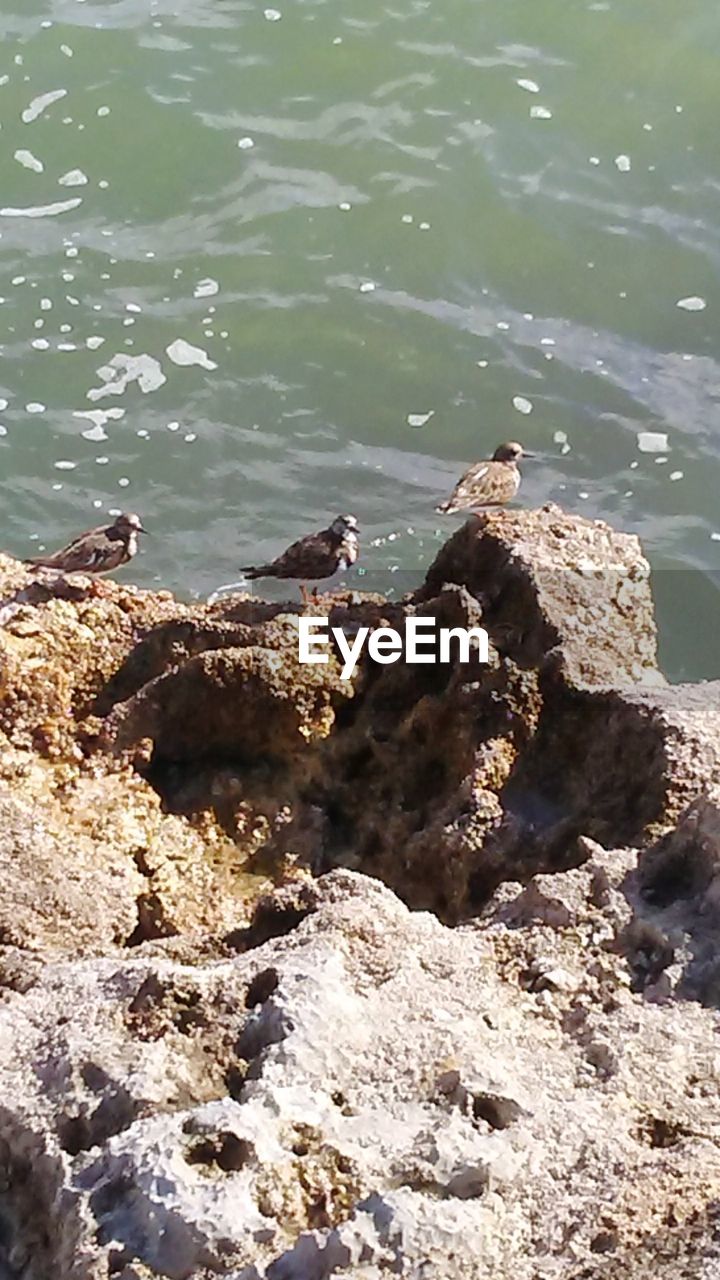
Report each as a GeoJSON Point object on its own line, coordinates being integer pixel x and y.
{"type": "Point", "coordinates": [303, 593]}
{"type": "Point", "coordinates": [314, 595]}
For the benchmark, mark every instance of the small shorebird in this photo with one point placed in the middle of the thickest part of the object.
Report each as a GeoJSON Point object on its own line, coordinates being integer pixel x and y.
{"type": "Point", "coordinates": [98, 550]}
{"type": "Point", "coordinates": [317, 555]}
{"type": "Point", "coordinates": [489, 483]}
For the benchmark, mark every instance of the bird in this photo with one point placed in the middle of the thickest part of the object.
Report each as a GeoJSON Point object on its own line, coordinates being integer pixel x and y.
{"type": "Point", "coordinates": [489, 483]}
{"type": "Point", "coordinates": [317, 555]}
{"type": "Point", "coordinates": [97, 550]}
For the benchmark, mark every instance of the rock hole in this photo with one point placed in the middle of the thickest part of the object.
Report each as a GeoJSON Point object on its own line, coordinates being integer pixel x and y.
{"type": "Point", "coordinates": [674, 877]}
{"type": "Point", "coordinates": [262, 987]}
{"type": "Point", "coordinates": [468, 1183]}
{"type": "Point", "coordinates": [113, 1114]}
{"type": "Point", "coordinates": [658, 1131]}
{"type": "Point", "coordinates": [498, 1112]}
{"type": "Point", "coordinates": [604, 1242]}
{"type": "Point", "coordinates": [226, 1150]}
{"type": "Point", "coordinates": [151, 923]}
{"type": "Point", "coordinates": [235, 1077]}
{"type": "Point", "coordinates": [275, 915]}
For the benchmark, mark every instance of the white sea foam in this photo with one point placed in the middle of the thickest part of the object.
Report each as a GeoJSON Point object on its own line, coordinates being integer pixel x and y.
{"type": "Point", "coordinates": [73, 178]}
{"type": "Point", "coordinates": [522, 405]}
{"type": "Point", "coordinates": [28, 160]}
{"type": "Point", "coordinates": [41, 210]}
{"type": "Point", "coordinates": [652, 442]}
{"type": "Point", "coordinates": [206, 288]}
{"type": "Point", "coordinates": [41, 103]}
{"type": "Point", "coordinates": [184, 353]}
{"type": "Point", "coordinates": [124, 369]}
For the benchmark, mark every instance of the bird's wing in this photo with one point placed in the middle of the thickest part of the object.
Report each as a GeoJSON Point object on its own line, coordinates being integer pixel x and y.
{"type": "Point", "coordinates": [465, 488]}
{"type": "Point", "coordinates": [306, 558]}
{"type": "Point", "coordinates": [87, 551]}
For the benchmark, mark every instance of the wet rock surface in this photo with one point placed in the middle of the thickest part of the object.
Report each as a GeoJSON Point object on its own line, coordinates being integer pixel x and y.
{"type": "Point", "coordinates": [413, 974]}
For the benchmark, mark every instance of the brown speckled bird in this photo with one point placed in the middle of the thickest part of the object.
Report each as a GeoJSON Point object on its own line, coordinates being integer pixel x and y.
{"type": "Point", "coordinates": [317, 555]}
{"type": "Point", "coordinates": [98, 550]}
{"type": "Point", "coordinates": [489, 483]}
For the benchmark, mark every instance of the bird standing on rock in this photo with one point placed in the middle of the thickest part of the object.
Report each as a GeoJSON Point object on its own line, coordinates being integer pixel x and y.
{"type": "Point", "coordinates": [317, 555]}
{"type": "Point", "coordinates": [98, 550]}
{"type": "Point", "coordinates": [489, 483]}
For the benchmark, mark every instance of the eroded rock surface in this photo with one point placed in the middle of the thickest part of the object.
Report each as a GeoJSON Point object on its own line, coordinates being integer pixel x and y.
{"type": "Point", "coordinates": [372, 1094]}
{"type": "Point", "coordinates": [226, 1051]}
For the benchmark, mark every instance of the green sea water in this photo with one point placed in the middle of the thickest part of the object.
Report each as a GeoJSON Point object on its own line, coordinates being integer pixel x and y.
{"type": "Point", "coordinates": [262, 265]}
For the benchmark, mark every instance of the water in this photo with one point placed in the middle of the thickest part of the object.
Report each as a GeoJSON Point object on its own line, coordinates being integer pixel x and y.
{"type": "Point", "coordinates": [355, 213]}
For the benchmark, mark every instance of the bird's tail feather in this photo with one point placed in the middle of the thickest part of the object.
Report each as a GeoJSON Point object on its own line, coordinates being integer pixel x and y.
{"type": "Point", "coordinates": [253, 571]}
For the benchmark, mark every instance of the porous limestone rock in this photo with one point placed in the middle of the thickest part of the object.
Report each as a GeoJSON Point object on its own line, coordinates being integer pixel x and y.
{"type": "Point", "coordinates": [370, 1094]}
{"type": "Point", "coordinates": [217, 1061]}
{"type": "Point", "coordinates": [552, 582]}
{"type": "Point", "coordinates": [192, 743]}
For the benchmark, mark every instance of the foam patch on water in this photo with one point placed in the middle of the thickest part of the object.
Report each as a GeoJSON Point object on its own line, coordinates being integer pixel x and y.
{"type": "Point", "coordinates": [41, 103]}
{"type": "Point", "coordinates": [540, 113]}
{"type": "Point", "coordinates": [693, 303]}
{"type": "Point", "coordinates": [206, 288]}
{"type": "Point", "coordinates": [419, 419]}
{"type": "Point", "coordinates": [98, 417]}
{"type": "Point", "coordinates": [73, 178]}
{"type": "Point", "coordinates": [28, 160]}
{"type": "Point", "coordinates": [528, 85]}
{"type": "Point", "coordinates": [185, 354]}
{"type": "Point", "coordinates": [522, 404]}
{"type": "Point", "coordinates": [41, 210]}
{"type": "Point", "coordinates": [124, 369]}
{"type": "Point", "coordinates": [226, 589]}
{"type": "Point", "coordinates": [623, 163]}
{"type": "Point", "coordinates": [652, 442]}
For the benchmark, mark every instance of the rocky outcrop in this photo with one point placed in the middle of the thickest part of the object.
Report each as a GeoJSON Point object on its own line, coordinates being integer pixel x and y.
{"type": "Point", "coordinates": [551, 583]}
{"type": "Point", "coordinates": [371, 1095]}
{"type": "Point", "coordinates": [221, 761]}
{"type": "Point", "coordinates": [230, 1048]}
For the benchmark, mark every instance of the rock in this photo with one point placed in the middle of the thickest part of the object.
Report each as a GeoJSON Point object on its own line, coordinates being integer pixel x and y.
{"type": "Point", "coordinates": [379, 1119]}
{"type": "Point", "coordinates": [239, 766]}
{"type": "Point", "coordinates": [554, 583]}
{"type": "Point", "coordinates": [225, 1051]}
{"type": "Point", "coordinates": [55, 884]}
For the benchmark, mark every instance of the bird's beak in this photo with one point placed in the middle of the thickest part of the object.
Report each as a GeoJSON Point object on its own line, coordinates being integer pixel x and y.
{"type": "Point", "coordinates": [142, 529]}
{"type": "Point", "coordinates": [528, 454]}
